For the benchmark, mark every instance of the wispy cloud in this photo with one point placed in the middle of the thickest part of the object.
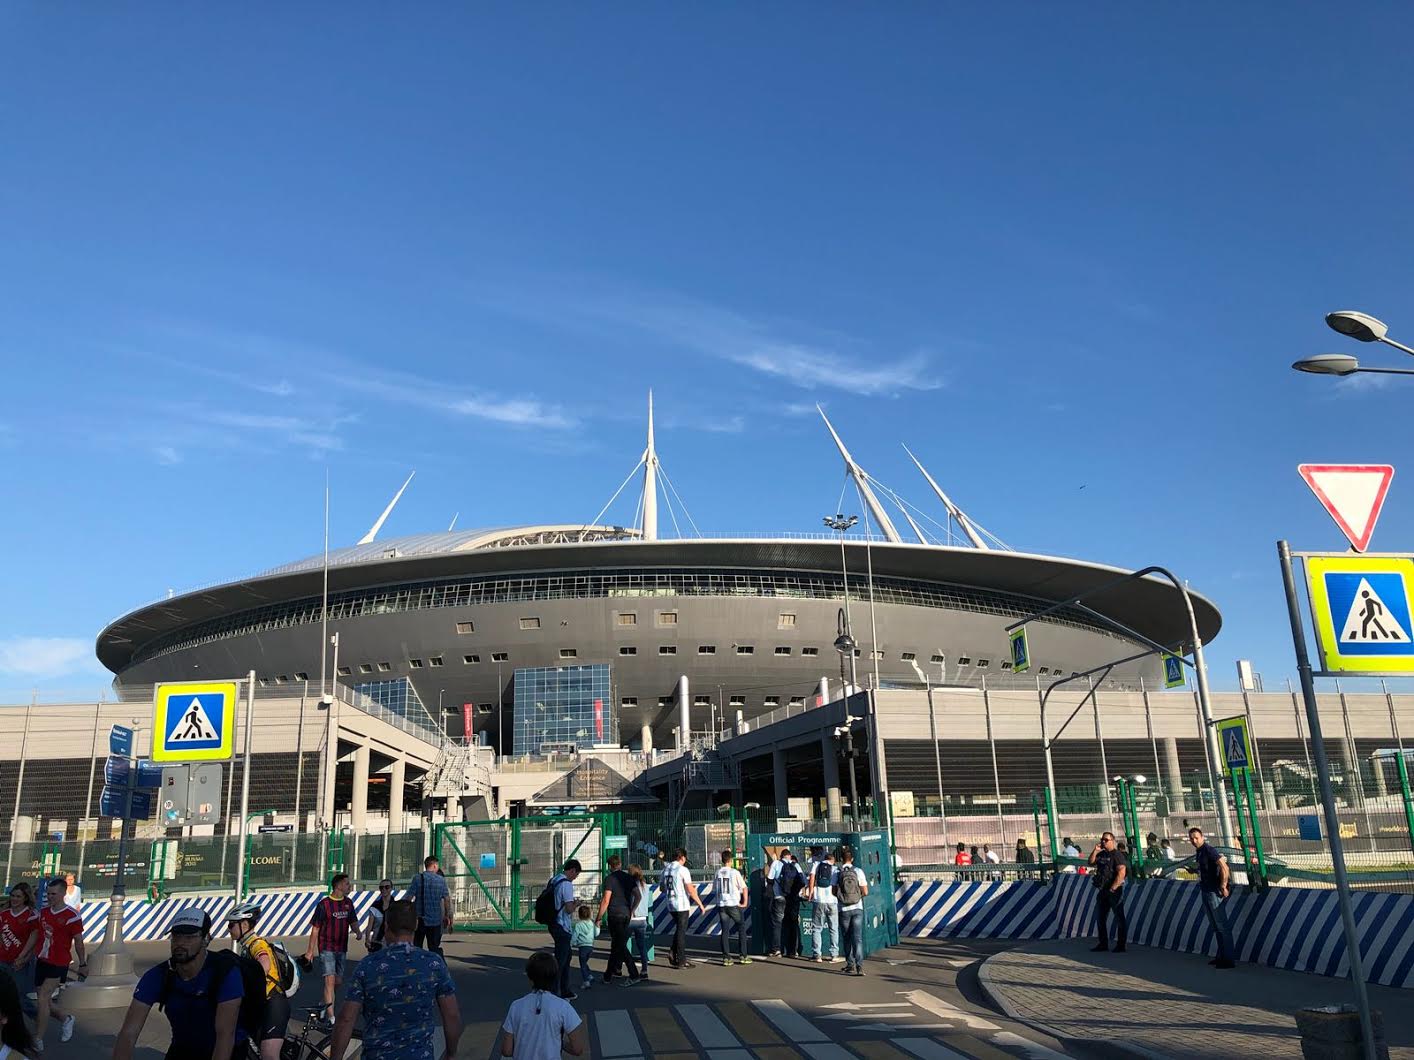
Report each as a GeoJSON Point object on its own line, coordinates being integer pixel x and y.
{"type": "Point", "coordinates": [734, 424]}
{"type": "Point", "coordinates": [166, 455]}
{"type": "Point", "coordinates": [779, 350]}
{"type": "Point", "coordinates": [42, 657]}
{"type": "Point", "coordinates": [1362, 382]}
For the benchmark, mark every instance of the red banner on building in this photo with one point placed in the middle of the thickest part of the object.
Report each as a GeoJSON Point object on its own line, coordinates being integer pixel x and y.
{"type": "Point", "coordinates": [598, 721]}
{"type": "Point", "coordinates": [466, 721]}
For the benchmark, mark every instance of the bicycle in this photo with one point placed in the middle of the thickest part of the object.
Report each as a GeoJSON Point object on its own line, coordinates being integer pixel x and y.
{"type": "Point", "coordinates": [298, 1045]}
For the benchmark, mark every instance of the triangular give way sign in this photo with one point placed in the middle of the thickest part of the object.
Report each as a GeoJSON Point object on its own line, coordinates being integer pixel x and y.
{"type": "Point", "coordinates": [1353, 494]}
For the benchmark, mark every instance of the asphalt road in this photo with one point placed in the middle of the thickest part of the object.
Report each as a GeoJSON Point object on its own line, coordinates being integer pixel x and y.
{"type": "Point", "coordinates": [918, 1000]}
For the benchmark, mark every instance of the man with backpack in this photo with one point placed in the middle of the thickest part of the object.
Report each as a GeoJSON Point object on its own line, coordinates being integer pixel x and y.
{"type": "Point", "coordinates": [827, 910]}
{"type": "Point", "coordinates": [851, 885]}
{"type": "Point", "coordinates": [428, 891]}
{"type": "Point", "coordinates": [201, 992]}
{"type": "Point", "coordinates": [401, 992]}
{"type": "Point", "coordinates": [555, 909]}
{"type": "Point", "coordinates": [281, 978]}
{"type": "Point", "coordinates": [792, 884]}
{"type": "Point", "coordinates": [334, 917]}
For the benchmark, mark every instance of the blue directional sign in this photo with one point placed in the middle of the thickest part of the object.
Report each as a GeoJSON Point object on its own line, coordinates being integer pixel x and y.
{"type": "Point", "coordinates": [120, 741]}
{"type": "Point", "coordinates": [149, 774]}
{"type": "Point", "coordinates": [113, 802]}
{"type": "Point", "coordinates": [141, 806]}
{"type": "Point", "coordinates": [116, 771]}
{"type": "Point", "coordinates": [1232, 737]}
{"type": "Point", "coordinates": [1173, 672]}
{"type": "Point", "coordinates": [1020, 651]}
{"type": "Point", "coordinates": [194, 721]}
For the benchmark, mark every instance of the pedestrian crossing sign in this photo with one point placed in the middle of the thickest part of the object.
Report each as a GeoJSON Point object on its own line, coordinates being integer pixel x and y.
{"type": "Point", "coordinates": [1232, 738]}
{"type": "Point", "coordinates": [1020, 651]}
{"type": "Point", "coordinates": [193, 721]}
{"type": "Point", "coordinates": [1361, 606]}
{"type": "Point", "coordinates": [1173, 672]}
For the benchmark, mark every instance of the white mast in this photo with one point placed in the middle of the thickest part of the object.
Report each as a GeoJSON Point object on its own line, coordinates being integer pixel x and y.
{"type": "Point", "coordinates": [953, 510]}
{"type": "Point", "coordinates": [881, 518]}
{"type": "Point", "coordinates": [367, 539]}
{"type": "Point", "coordinates": [650, 482]}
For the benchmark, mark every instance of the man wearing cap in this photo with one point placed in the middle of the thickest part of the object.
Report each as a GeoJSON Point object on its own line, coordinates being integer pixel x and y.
{"type": "Point", "coordinates": [200, 993]}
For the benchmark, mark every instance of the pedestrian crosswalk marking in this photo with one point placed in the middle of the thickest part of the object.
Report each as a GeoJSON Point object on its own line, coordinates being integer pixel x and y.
{"type": "Point", "coordinates": [710, 1032]}
{"type": "Point", "coordinates": [939, 1007]}
{"type": "Point", "coordinates": [789, 1022]}
{"type": "Point", "coordinates": [1029, 1049]}
{"type": "Point", "coordinates": [616, 1034]}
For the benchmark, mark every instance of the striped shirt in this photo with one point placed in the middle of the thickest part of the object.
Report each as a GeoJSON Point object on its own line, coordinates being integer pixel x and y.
{"type": "Point", "coordinates": [333, 917]}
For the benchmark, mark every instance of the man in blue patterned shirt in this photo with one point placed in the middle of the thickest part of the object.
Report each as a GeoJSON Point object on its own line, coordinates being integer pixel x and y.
{"type": "Point", "coordinates": [400, 990]}
{"type": "Point", "coordinates": [428, 892]}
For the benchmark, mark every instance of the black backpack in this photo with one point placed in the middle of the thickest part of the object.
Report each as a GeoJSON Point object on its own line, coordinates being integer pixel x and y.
{"type": "Point", "coordinates": [792, 879]}
{"type": "Point", "coordinates": [823, 871]}
{"type": "Point", "coordinates": [848, 890]}
{"type": "Point", "coordinates": [252, 984]}
{"type": "Point", "coordinates": [545, 911]}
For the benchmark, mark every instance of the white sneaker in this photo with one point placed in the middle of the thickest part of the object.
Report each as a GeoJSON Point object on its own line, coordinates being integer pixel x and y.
{"type": "Point", "coordinates": [66, 1031]}
{"type": "Point", "coordinates": [836, 960]}
{"type": "Point", "coordinates": [38, 1047]}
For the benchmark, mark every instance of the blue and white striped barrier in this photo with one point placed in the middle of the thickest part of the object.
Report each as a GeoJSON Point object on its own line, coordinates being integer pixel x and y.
{"type": "Point", "coordinates": [283, 914]}
{"type": "Point", "coordinates": [1286, 927]}
{"type": "Point", "coordinates": [978, 909]}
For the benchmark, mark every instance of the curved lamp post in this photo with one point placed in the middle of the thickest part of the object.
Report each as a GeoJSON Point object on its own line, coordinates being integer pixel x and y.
{"type": "Point", "coordinates": [1362, 328]}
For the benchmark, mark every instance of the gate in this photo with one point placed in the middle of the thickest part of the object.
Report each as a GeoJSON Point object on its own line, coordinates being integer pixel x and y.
{"type": "Point", "coordinates": [496, 869]}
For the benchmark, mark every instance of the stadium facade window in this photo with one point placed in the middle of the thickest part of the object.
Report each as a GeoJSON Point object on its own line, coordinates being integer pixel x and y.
{"type": "Point", "coordinates": [706, 649]}
{"type": "Point", "coordinates": [302, 676]}
{"type": "Point", "coordinates": [809, 651]}
{"type": "Point", "coordinates": [785, 621]}
{"type": "Point", "coordinates": [282, 679]}
{"type": "Point", "coordinates": [962, 660]}
{"type": "Point", "coordinates": [1043, 671]}
{"type": "Point", "coordinates": [667, 618]}
{"type": "Point", "coordinates": [500, 656]}
{"type": "Point", "coordinates": [782, 650]}
{"type": "Point", "coordinates": [569, 653]}
{"type": "Point", "coordinates": [876, 654]}
{"type": "Point", "coordinates": [1006, 665]}
{"type": "Point", "coordinates": [628, 649]}
{"type": "Point", "coordinates": [384, 667]}
{"type": "Point", "coordinates": [416, 664]}
{"type": "Point", "coordinates": [797, 701]}
{"type": "Point", "coordinates": [344, 671]}
{"type": "Point", "coordinates": [939, 658]}
{"type": "Point", "coordinates": [745, 649]}
{"type": "Point", "coordinates": [629, 701]}
{"type": "Point", "coordinates": [264, 681]}
{"type": "Point", "coordinates": [462, 592]}
{"type": "Point", "coordinates": [471, 660]}
{"type": "Point", "coordinates": [530, 623]}
{"type": "Point", "coordinates": [701, 701]}
{"type": "Point", "coordinates": [626, 618]}
{"type": "Point", "coordinates": [436, 660]}
{"type": "Point", "coordinates": [665, 701]}
{"type": "Point", "coordinates": [982, 664]}
{"type": "Point", "coordinates": [667, 649]}
{"type": "Point", "coordinates": [737, 701]}
{"type": "Point", "coordinates": [563, 708]}
{"type": "Point", "coordinates": [466, 627]}
{"type": "Point", "coordinates": [485, 708]}
{"type": "Point", "coordinates": [773, 701]}
{"type": "Point", "coordinates": [908, 656]}
{"type": "Point", "coordinates": [365, 668]}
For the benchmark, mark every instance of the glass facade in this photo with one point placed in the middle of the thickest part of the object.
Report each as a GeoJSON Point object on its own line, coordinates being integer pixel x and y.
{"type": "Point", "coordinates": [563, 707]}
{"type": "Point", "coordinates": [398, 697]}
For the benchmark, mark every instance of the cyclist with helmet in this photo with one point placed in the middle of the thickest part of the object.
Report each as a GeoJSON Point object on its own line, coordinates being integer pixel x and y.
{"type": "Point", "coordinates": [240, 923]}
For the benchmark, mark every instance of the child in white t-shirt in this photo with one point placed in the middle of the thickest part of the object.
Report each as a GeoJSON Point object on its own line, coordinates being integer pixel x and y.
{"type": "Point", "coordinates": [540, 1024]}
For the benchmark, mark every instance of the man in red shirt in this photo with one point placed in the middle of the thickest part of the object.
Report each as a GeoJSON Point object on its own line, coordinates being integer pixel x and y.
{"type": "Point", "coordinates": [334, 917]}
{"type": "Point", "coordinates": [61, 930]}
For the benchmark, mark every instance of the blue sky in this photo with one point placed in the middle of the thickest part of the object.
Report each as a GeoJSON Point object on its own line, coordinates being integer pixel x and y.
{"type": "Point", "coordinates": [1066, 258]}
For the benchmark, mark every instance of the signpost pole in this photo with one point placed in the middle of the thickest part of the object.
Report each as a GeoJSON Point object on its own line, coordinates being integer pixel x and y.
{"type": "Point", "coordinates": [245, 785]}
{"type": "Point", "coordinates": [1318, 751]}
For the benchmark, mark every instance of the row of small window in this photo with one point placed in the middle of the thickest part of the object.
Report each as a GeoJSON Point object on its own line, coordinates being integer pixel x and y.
{"type": "Point", "coordinates": [626, 618]}
{"type": "Point", "coordinates": [707, 701]}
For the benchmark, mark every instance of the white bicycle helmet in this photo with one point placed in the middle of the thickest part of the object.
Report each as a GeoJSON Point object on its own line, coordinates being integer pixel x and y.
{"type": "Point", "coordinates": [248, 911]}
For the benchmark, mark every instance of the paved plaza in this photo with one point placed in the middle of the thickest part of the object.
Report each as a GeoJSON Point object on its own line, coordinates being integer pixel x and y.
{"type": "Point", "coordinates": [918, 1000]}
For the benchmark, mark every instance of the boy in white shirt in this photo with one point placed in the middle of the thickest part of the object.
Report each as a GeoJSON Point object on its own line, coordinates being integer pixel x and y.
{"type": "Point", "coordinates": [851, 885]}
{"type": "Point", "coordinates": [540, 1024]}
{"type": "Point", "coordinates": [729, 890]}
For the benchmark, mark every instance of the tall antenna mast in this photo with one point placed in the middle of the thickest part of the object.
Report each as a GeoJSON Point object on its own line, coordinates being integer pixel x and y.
{"type": "Point", "coordinates": [953, 510]}
{"type": "Point", "coordinates": [650, 482]}
{"type": "Point", "coordinates": [367, 539]}
{"type": "Point", "coordinates": [881, 518]}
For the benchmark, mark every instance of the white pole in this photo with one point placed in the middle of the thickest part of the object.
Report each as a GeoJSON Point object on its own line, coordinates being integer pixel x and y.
{"type": "Point", "coordinates": [88, 802]}
{"type": "Point", "coordinates": [245, 786]}
{"type": "Point", "coordinates": [19, 786]}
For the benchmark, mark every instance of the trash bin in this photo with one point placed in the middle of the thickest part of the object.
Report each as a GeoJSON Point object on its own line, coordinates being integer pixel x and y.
{"type": "Point", "coordinates": [1332, 1032]}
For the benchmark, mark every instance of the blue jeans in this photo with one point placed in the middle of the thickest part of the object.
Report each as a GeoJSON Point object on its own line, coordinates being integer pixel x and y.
{"type": "Point", "coordinates": [638, 931]}
{"type": "Point", "coordinates": [562, 956]}
{"type": "Point", "coordinates": [585, 975]}
{"type": "Point", "coordinates": [826, 915]}
{"type": "Point", "coordinates": [778, 918]}
{"type": "Point", "coordinates": [1217, 917]}
{"type": "Point", "coordinates": [731, 920]}
{"type": "Point", "coordinates": [852, 924]}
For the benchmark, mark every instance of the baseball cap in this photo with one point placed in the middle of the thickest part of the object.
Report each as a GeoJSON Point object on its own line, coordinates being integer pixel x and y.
{"type": "Point", "coordinates": [191, 921]}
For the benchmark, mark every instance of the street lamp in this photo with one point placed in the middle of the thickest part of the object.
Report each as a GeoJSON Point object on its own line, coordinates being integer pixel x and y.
{"type": "Point", "coordinates": [1362, 328]}
{"type": "Point", "coordinates": [937, 753]}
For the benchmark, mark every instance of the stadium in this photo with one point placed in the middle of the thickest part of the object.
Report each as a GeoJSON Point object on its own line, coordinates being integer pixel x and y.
{"type": "Point", "coordinates": [481, 627]}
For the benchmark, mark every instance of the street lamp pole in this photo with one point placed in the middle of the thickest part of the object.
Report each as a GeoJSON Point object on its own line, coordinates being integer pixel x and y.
{"type": "Point", "coordinates": [1362, 328]}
